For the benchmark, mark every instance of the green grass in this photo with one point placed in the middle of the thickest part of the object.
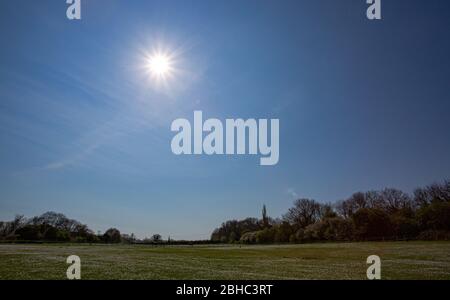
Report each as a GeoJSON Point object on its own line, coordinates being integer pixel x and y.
{"type": "Point", "coordinates": [400, 260]}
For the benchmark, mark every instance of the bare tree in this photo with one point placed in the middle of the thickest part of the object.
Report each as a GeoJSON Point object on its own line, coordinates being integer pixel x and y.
{"type": "Point", "coordinates": [432, 193]}
{"type": "Point", "coordinates": [394, 200]}
{"type": "Point", "coordinates": [304, 213]}
{"type": "Point", "coordinates": [350, 206]}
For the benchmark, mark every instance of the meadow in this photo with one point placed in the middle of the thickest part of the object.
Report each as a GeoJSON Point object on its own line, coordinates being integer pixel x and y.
{"type": "Point", "coordinates": [400, 260]}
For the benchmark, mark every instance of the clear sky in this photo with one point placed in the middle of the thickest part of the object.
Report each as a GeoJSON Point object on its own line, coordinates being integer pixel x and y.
{"type": "Point", "coordinates": [85, 131]}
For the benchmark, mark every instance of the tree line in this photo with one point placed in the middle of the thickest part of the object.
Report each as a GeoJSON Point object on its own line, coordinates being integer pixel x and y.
{"type": "Point", "coordinates": [388, 214]}
{"type": "Point", "coordinates": [56, 227]}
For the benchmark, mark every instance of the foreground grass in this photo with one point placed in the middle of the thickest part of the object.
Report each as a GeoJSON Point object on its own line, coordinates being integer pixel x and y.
{"type": "Point", "coordinates": [400, 260]}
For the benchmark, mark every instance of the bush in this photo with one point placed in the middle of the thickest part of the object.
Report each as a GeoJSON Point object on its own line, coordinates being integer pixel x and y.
{"type": "Point", "coordinates": [50, 233]}
{"type": "Point", "coordinates": [80, 239]}
{"type": "Point", "coordinates": [29, 233]}
{"type": "Point", "coordinates": [434, 235]}
{"type": "Point", "coordinates": [435, 216]}
{"type": "Point", "coordinates": [265, 236]}
{"type": "Point", "coordinates": [112, 235]}
{"type": "Point", "coordinates": [330, 229]}
{"type": "Point", "coordinates": [62, 236]}
{"type": "Point", "coordinates": [249, 238]}
{"type": "Point", "coordinates": [299, 235]}
{"type": "Point", "coordinates": [404, 227]}
{"type": "Point", "coordinates": [283, 232]}
{"type": "Point", "coordinates": [372, 223]}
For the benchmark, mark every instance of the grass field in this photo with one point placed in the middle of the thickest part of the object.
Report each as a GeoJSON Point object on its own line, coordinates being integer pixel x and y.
{"type": "Point", "coordinates": [400, 260]}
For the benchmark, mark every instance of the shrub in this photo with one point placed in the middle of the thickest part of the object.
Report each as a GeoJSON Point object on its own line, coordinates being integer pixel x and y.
{"type": "Point", "coordinates": [62, 236]}
{"type": "Point", "coordinates": [435, 216]}
{"type": "Point", "coordinates": [265, 236]}
{"type": "Point", "coordinates": [29, 233]}
{"type": "Point", "coordinates": [249, 238]}
{"type": "Point", "coordinates": [372, 223]}
{"type": "Point", "coordinates": [434, 235]}
{"type": "Point", "coordinates": [112, 235]}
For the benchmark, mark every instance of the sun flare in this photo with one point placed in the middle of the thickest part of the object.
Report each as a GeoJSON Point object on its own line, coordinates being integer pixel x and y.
{"type": "Point", "coordinates": [159, 65]}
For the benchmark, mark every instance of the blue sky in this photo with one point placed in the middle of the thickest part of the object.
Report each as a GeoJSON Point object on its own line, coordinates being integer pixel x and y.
{"type": "Point", "coordinates": [84, 131]}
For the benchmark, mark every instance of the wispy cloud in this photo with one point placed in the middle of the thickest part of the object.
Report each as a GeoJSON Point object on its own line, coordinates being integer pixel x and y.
{"type": "Point", "coordinates": [292, 193]}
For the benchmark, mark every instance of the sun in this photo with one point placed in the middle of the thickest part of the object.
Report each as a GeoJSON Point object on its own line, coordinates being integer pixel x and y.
{"type": "Point", "coordinates": [160, 65]}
